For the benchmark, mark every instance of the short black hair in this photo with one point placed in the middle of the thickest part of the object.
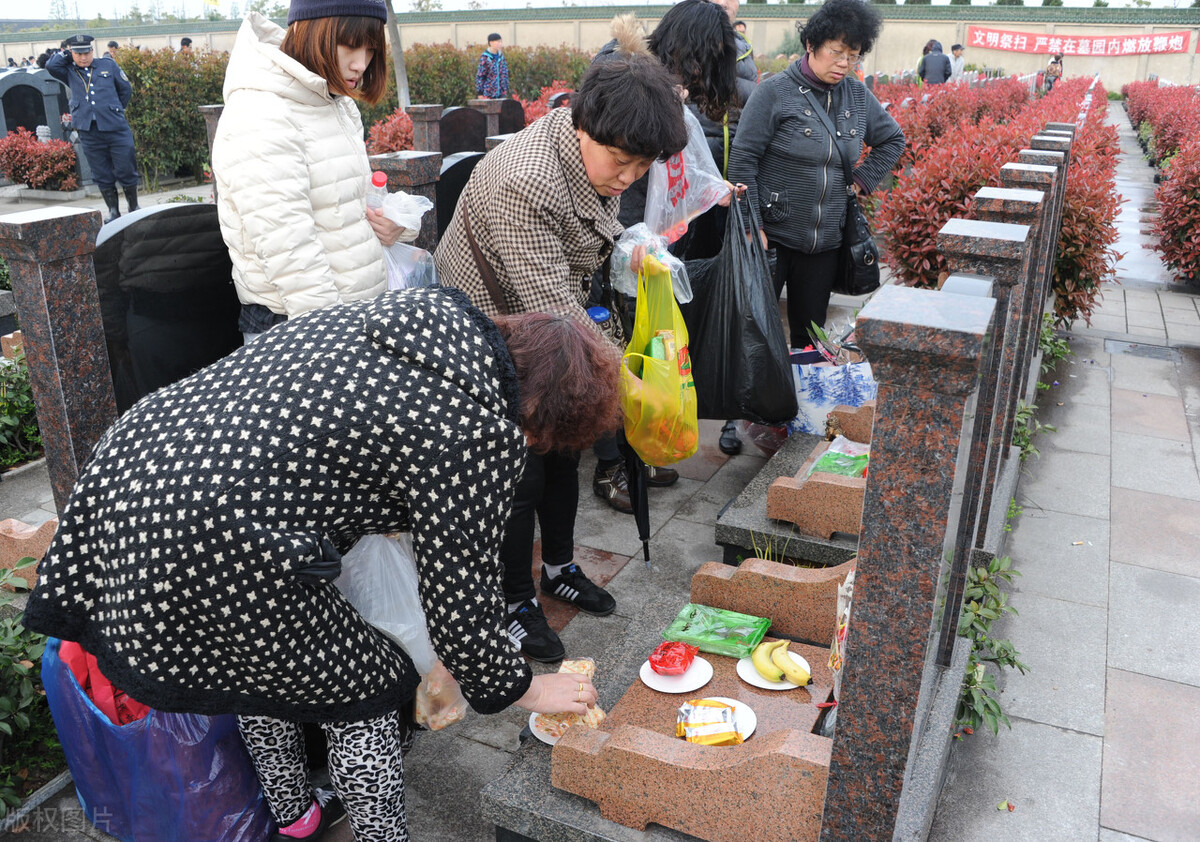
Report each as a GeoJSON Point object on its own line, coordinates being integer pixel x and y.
{"type": "Point", "coordinates": [629, 102]}
{"type": "Point", "coordinates": [113, 44]}
{"type": "Point", "coordinates": [185, 42]}
{"type": "Point", "coordinates": [495, 36]}
{"type": "Point", "coordinates": [852, 21]}
{"type": "Point", "coordinates": [956, 47]}
{"type": "Point", "coordinates": [696, 42]}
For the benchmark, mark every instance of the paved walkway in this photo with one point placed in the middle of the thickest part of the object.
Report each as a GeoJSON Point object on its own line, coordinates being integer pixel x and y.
{"type": "Point", "coordinates": [1104, 741]}
{"type": "Point", "coordinates": [1103, 744]}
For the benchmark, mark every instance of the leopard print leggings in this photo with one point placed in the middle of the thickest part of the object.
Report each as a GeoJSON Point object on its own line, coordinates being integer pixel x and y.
{"type": "Point", "coordinates": [365, 767]}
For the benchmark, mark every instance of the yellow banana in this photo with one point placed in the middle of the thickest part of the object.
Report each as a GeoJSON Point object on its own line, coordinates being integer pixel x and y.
{"type": "Point", "coordinates": [761, 658]}
{"type": "Point", "coordinates": [792, 670]}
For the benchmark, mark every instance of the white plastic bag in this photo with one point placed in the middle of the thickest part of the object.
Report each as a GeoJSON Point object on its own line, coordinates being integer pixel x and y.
{"type": "Point", "coordinates": [624, 279]}
{"type": "Point", "coordinates": [409, 266]}
{"type": "Point", "coordinates": [406, 210]}
{"type": "Point", "coordinates": [684, 186]}
{"type": "Point", "coordinates": [379, 578]}
{"type": "Point", "coordinates": [821, 387]}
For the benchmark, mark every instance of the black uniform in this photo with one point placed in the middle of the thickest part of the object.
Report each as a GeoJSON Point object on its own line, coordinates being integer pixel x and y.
{"type": "Point", "coordinates": [99, 94]}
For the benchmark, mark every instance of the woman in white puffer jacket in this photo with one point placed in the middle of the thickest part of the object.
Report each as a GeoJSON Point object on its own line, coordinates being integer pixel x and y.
{"type": "Point", "coordinates": [290, 164]}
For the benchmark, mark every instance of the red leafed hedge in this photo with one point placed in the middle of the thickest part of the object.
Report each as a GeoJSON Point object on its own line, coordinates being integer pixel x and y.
{"type": "Point", "coordinates": [45, 166]}
{"type": "Point", "coordinates": [1178, 224]}
{"type": "Point", "coordinates": [394, 134]}
{"type": "Point", "coordinates": [942, 178]}
{"type": "Point", "coordinates": [1170, 116]}
{"type": "Point", "coordinates": [537, 108]}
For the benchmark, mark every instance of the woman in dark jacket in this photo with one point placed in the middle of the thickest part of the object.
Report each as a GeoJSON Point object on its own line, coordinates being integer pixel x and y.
{"type": "Point", "coordinates": [792, 166]}
{"type": "Point", "coordinates": [196, 556]}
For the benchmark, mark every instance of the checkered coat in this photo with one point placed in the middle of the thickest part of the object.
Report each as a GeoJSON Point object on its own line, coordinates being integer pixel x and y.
{"type": "Point", "coordinates": [538, 221]}
{"type": "Point", "coordinates": [196, 555]}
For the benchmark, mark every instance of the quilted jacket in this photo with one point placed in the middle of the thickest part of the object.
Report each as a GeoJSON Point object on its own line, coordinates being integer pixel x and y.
{"type": "Point", "coordinates": [196, 554]}
{"type": "Point", "coordinates": [292, 173]}
{"type": "Point", "coordinates": [538, 221]}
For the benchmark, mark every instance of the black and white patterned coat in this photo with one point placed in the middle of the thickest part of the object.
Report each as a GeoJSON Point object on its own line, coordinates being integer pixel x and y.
{"type": "Point", "coordinates": [191, 555]}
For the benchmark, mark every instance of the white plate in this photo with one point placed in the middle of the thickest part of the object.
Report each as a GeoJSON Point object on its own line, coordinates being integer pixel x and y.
{"type": "Point", "coordinates": [748, 674]}
{"type": "Point", "coordinates": [747, 719]}
{"type": "Point", "coordinates": [697, 675]}
{"type": "Point", "coordinates": [539, 733]}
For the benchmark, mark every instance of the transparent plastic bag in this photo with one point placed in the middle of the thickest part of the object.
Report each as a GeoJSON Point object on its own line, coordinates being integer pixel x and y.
{"type": "Point", "coordinates": [439, 701]}
{"type": "Point", "coordinates": [684, 186]}
{"type": "Point", "coordinates": [624, 279]}
{"type": "Point", "coordinates": [409, 267]}
{"type": "Point", "coordinates": [406, 210]}
{"type": "Point", "coordinates": [379, 578]}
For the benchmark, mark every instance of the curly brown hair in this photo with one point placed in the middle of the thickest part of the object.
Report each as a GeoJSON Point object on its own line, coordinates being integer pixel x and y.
{"type": "Point", "coordinates": [569, 376]}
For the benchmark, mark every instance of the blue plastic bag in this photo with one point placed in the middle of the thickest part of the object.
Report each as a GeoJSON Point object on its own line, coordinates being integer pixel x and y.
{"type": "Point", "coordinates": [169, 777]}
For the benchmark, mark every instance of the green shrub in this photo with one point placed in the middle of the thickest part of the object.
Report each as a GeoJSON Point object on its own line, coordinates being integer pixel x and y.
{"type": "Point", "coordinates": [532, 68]}
{"type": "Point", "coordinates": [440, 73]}
{"type": "Point", "coordinates": [20, 439]}
{"type": "Point", "coordinates": [168, 89]}
{"type": "Point", "coordinates": [20, 656]}
{"type": "Point", "coordinates": [5, 276]}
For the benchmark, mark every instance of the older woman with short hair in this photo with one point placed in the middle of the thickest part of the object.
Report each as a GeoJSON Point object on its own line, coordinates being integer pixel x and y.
{"type": "Point", "coordinates": [792, 164]}
{"type": "Point", "coordinates": [197, 555]}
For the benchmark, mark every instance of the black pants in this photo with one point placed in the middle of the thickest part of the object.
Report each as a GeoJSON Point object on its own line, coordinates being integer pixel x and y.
{"type": "Point", "coordinates": [809, 282]}
{"type": "Point", "coordinates": [549, 491]}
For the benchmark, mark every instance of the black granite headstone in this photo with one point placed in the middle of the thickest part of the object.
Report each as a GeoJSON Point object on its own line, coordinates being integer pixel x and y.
{"type": "Point", "coordinates": [456, 171]}
{"type": "Point", "coordinates": [512, 116]}
{"type": "Point", "coordinates": [166, 296]}
{"type": "Point", "coordinates": [32, 98]}
{"type": "Point", "coordinates": [562, 99]}
{"type": "Point", "coordinates": [463, 130]}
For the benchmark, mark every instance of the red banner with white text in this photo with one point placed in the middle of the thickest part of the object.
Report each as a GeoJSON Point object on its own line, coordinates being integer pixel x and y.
{"type": "Point", "coordinates": [1077, 45]}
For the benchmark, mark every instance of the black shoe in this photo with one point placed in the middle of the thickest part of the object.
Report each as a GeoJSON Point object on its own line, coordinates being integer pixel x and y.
{"type": "Point", "coordinates": [528, 627]}
{"type": "Point", "coordinates": [613, 486]}
{"type": "Point", "coordinates": [332, 812]}
{"type": "Point", "coordinates": [572, 586]}
{"type": "Point", "coordinates": [729, 441]}
{"type": "Point", "coordinates": [661, 477]}
{"type": "Point", "coordinates": [131, 197]}
{"type": "Point", "coordinates": [110, 199]}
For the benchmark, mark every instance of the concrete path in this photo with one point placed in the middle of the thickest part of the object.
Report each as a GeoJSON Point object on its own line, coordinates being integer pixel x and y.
{"type": "Point", "coordinates": [1103, 744]}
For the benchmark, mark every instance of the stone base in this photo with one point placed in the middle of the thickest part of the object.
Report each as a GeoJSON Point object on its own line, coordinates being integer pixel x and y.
{"type": "Point", "coordinates": [745, 531]}
{"type": "Point", "coordinates": [801, 601]}
{"type": "Point", "coordinates": [1006, 488]}
{"type": "Point", "coordinates": [853, 422]}
{"type": "Point", "coordinates": [819, 504]}
{"type": "Point", "coordinates": [30, 194]}
{"type": "Point", "coordinates": [926, 771]}
{"type": "Point", "coordinates": [769, 789]}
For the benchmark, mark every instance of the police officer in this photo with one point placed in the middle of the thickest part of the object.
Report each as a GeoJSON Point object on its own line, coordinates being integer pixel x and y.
{"type": "Point", "coordinates": [100, 90]}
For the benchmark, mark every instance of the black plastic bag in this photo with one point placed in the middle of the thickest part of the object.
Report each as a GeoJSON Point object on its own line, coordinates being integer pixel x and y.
{"type": "Point", "coordinates": [739, 354]}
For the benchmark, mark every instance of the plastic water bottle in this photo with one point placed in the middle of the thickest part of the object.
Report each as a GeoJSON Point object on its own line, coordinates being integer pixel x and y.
{"type": "Point", "coordinates": [377, 192]}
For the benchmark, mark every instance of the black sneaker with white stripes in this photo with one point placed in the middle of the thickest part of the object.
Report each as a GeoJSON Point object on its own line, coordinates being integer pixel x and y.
{"type": "Point", "coordinates": [527, 626]}
{"type": "Point", "coordinates": [572, 586]}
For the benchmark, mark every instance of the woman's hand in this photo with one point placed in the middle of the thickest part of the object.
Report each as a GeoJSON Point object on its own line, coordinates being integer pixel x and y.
{"type": "Point", "coordinates": [739, 190]}
{"type": "Point", "coordinates": [385, 230]}
{"type": "Point", "coordinates": [636, 257]}
{"type": "Point", "coordinates": [559, 692]}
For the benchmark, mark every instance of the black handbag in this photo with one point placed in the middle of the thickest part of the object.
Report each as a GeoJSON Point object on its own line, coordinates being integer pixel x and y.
{"type": "Point", "coordinates": [858, 258]}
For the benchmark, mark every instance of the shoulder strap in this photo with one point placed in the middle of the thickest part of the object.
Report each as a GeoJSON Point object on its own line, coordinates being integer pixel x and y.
{"type": "Point", "coordinates": [485, 270]}
{"type": "Point", "coordinates": [833, 136]}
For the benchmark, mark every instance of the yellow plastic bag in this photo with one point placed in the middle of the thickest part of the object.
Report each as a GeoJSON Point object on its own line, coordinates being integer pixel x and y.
{"type": "Point", "coordinates": [658, 395]}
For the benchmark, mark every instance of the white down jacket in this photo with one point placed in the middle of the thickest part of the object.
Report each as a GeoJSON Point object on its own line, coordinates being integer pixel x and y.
{"type": "Point", "coordinates": [292, 173]}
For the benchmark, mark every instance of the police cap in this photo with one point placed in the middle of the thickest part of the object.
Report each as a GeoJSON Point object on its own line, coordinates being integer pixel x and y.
{"type": "Point", "coordinates": [80, 43]}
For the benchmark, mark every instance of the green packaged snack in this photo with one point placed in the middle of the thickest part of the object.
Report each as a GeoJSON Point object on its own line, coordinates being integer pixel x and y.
{"type": "Point", "coordinates": [840, 463]}
{"type": "Point", "coordinates": [717, 631]}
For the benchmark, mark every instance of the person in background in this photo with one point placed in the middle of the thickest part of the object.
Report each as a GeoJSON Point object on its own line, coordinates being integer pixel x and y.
{"type": "Point", "coordinates": [185, 46]}
{"type": "Point", "coordinates": [491, 76]}
{"type": "Point", "coordinates": [934, 68]}
{"type": "Point", "coordinates": [537, 218]}
{"type": "Point", "coordinates": [739, 26]}
{"type": "Point", "coordinates": [289, 162]}
{"type": "Point", "coordinates": [231, 606]}
{"type": "Point", "coordinates": [112, 48]}
{"type": "Point", "coordinates": [12, 62]}
{"type": "Point", "coordinates": [100, 90]}
{"type": "Point", "coordinates": [1054, 71]}
{"type": "Point", "coordinates": [791, 164]}
{"type": "Point", "coordinates": [957, 62]}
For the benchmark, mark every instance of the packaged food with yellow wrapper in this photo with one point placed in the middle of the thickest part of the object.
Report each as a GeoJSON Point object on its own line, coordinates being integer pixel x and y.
{"type": "Point", "coordinates": [658, 395]}
{"type": "Point", "coordinates": [708, 722]}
